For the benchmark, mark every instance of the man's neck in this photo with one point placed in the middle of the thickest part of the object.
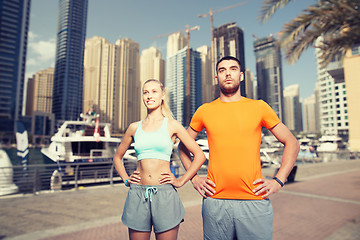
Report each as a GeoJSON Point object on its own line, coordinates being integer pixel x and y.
{"type": "Point", "coordinates": [230, 97]}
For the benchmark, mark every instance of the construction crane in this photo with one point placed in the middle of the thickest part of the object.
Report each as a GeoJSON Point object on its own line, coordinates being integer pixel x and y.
{"type": "Point", "coordinates": [210, 14]}
{"type": "Point", "coordinates": [188, 74]}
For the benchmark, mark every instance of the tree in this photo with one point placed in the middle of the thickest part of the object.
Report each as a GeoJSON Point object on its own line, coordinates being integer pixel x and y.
{"type": "Point", "coordinates": [337, 21]}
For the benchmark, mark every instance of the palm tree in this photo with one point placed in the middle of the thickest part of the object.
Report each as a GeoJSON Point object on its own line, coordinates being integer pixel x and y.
{"type": "Point", "coordinates": [337, 21]}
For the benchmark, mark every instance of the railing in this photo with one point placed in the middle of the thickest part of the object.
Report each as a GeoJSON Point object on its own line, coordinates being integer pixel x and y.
{"type": "Point", "coordinates": [42, 177]}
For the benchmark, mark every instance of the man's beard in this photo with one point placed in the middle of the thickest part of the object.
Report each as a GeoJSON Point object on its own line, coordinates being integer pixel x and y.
{"type": "Point", "coordinates": [229, 91]}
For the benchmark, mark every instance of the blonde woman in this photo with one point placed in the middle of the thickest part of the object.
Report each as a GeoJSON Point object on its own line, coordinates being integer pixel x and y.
{"type": "Point", "coordinates": [152, 200]}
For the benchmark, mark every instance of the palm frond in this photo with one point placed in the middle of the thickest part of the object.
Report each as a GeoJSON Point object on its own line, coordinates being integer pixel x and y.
{"type": "Point", "coordinates": [338, 21]}
{"type": "Point", "coordinates": [269, 7]}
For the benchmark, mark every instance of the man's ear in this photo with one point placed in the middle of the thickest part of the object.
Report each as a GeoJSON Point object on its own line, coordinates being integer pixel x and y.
{"type": "Point", "coordinates": [242, 77]}
{"type": "Point", "coordinates": [217, 80]}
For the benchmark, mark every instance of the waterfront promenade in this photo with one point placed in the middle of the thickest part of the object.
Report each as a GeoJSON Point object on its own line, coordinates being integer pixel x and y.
{"type": "Point", "coordinates": [322, 203]}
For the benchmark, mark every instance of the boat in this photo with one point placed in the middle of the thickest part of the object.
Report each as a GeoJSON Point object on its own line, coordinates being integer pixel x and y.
{"type": "Point", "coordinates": [267, 157]}
{"type": "Point", "coordinates": [6, 175]}
{"type": "Point", "coordinates": [307, 150]}
{"type": "Point", "coordinates": [330, 143]}
{"type": "Point", "coordinates": [204, 145]}
{"type": "Point", "coordinates": [84, 141]}
{"type": "Point", "coordinates": [85, 146]}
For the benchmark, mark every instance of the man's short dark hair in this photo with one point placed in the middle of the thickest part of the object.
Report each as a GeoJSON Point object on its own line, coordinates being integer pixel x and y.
{"type": "Point", "coordinates": [228, 58]}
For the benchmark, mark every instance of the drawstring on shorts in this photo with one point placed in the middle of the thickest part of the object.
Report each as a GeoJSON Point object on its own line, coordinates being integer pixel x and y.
{"type": "Point", "coordinates": [149, 191]}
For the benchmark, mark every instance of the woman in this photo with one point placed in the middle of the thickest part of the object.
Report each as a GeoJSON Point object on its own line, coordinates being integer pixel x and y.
{"type": "Point", "coordinates": [152, 200]}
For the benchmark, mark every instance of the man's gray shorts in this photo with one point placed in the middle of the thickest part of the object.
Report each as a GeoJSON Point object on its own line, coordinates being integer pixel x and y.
{"type": "Point", "coordinates": [159, 206]}
{"type": "Point", "coordinates": [237, 219]}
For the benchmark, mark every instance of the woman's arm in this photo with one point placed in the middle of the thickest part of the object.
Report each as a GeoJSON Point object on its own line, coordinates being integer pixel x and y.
{"type": "Point", "coordinates": [203, 185]}
{"type": "Point", "coordinates": [193, 147]}
{"type": "Point", "coordinates": [123, 147]}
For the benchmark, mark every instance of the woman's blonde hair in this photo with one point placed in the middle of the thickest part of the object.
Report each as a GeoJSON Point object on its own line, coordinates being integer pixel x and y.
{"type": "Point", "coordinates": [165, 109]}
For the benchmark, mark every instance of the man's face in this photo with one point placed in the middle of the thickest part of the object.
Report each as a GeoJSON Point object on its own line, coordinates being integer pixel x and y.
{"type": "Point", "coordinates": [229, 76]}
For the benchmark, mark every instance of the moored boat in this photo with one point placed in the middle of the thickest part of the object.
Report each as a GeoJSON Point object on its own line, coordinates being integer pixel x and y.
{"type": "Point", "coordinates": [81, 142]}
{"type": "Point", "coordinates": [82, 150]}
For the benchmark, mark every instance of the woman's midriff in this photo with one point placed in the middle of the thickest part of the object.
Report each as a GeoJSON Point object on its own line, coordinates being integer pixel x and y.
{"type": "Point", "coordinates": [151, 169]}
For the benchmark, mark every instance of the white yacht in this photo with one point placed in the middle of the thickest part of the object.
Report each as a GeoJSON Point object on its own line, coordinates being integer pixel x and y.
{"type": "Point", "coordinates": [7, 185]}
{"type": "Point", "coordinates": [330, 143]}
{"type": "Point", "coordinates": [82, 142]}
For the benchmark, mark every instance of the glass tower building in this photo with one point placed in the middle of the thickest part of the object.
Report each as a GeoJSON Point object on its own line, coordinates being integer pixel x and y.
{"type": "Point", "coordinates": [176, 84]}
{"type": "Point", "coordinates": [68, 76]}
{"type": "Point", "coordinates": [14, 25]}
{"type": "Point", "coordinates": [269, 73]}
{"type": "Point", "coordinates": [229, 41]}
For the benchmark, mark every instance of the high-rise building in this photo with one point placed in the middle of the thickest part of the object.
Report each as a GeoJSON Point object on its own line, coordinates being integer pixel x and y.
{"type": "Point", "coordinates": [69, 64]}
{"type": "Point", "coordinates": [176, 82]}
{"type": "Point", "coordinates": [292, 108]}
{"type": "Point", "coordinates": [229, 41]}
{"type": "Point", "coordinates": [269, 73]}
{"type": "Point", "coordinates": [152, 66]}
{"type": "Point", "coordinates": [207, 83]}
{"type": "Point", "coordinates": [332, 97]}
{"type": "Point", "coordinates": [39, 92]}
{"type": "Point", "coordinates": [352, 73]}
{"type": "Point", "coordinates": [14, 26]}
{"type": "Point", "coordinates": [310, 115]}
{"type": "Point", "coordinates": [99, 60]}
{"type": "Point", "coordinates": [249, 84]}
{"type": "Point", "coordinates": [127, 88]}
{"type": "Point", "coordinates": [175, 42]}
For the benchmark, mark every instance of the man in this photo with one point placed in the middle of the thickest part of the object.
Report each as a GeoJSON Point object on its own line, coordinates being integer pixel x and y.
{"type": "Point", "coordinates": [235, 203]}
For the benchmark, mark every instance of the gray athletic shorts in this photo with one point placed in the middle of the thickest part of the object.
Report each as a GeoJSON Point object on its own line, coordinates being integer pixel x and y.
{"type": "Point", "coordinates": [237, 219]}
{"type": "Point", "coordinates": [158, 206]}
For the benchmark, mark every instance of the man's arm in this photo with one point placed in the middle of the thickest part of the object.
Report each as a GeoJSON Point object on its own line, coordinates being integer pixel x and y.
{"type": "Point", "coordinates": [201, 184]}
{"type": "Point", "coordinates": [291, 150]}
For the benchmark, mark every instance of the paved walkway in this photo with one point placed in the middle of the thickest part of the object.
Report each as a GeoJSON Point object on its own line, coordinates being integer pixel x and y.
{"type": "Point", "coordinates": [323, 203]}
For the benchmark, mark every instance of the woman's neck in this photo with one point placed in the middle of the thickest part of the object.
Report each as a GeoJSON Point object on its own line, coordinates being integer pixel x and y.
{"type": "Point", "coordinates": [154, 116]}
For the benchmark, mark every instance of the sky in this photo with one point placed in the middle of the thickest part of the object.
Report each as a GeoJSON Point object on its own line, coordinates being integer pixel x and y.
{"type": "Point", "coordinates": [144, 20]}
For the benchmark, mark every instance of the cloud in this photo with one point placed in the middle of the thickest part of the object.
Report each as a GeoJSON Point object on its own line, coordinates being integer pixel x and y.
{"type": "Point", "coordinates": [31, 36]}
{"type": "Point", "coordinates": [43, 51]}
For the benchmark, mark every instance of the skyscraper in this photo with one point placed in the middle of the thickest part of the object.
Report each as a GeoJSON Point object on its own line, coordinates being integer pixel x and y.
{"type": "Point", "coordinates": [269, 73]}
{"type": "Point", "coordinates": [229, 41]}
{"type": "Point", "coordinates": [68, 77]}
{"type": "Point", "coordinates": [39, 92]}
{"type": "Point", "coordinates": [310, 115]}
{"type": "Point", "coordinates": [352, 73]}
{"type": "Point", "coordinates": [152, 66]}
{"type": "Point", "coordinates": [175, 42]}
{"type": "Point", "coordinates": [207, 83]}
{"type": "Point", "coordinates": [14, 25]}
{"type": "Point", "coordinates": [126, 84]}
{"type": "Point", "coordinates": [99, 60]}
{"type": "Point", "coordinates": [176, 83]}
{"type": "Point", "coordinates": [249, 83]}
{"type": "Point", "coordinates": [292, 108]}
{"type": "Point", "coordinates": [332, 97]}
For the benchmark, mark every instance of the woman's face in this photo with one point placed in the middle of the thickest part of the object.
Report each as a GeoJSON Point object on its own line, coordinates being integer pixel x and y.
{"type": "Point", "coordinates": [152, 95]}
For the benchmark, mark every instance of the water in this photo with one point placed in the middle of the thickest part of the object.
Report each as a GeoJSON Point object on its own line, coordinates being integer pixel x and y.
{"type": "Point", "coordinates": [35, 156]}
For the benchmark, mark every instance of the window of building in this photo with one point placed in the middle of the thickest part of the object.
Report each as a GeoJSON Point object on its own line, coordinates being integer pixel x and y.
{"type": "Point", "coordinates": [356, 50]}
